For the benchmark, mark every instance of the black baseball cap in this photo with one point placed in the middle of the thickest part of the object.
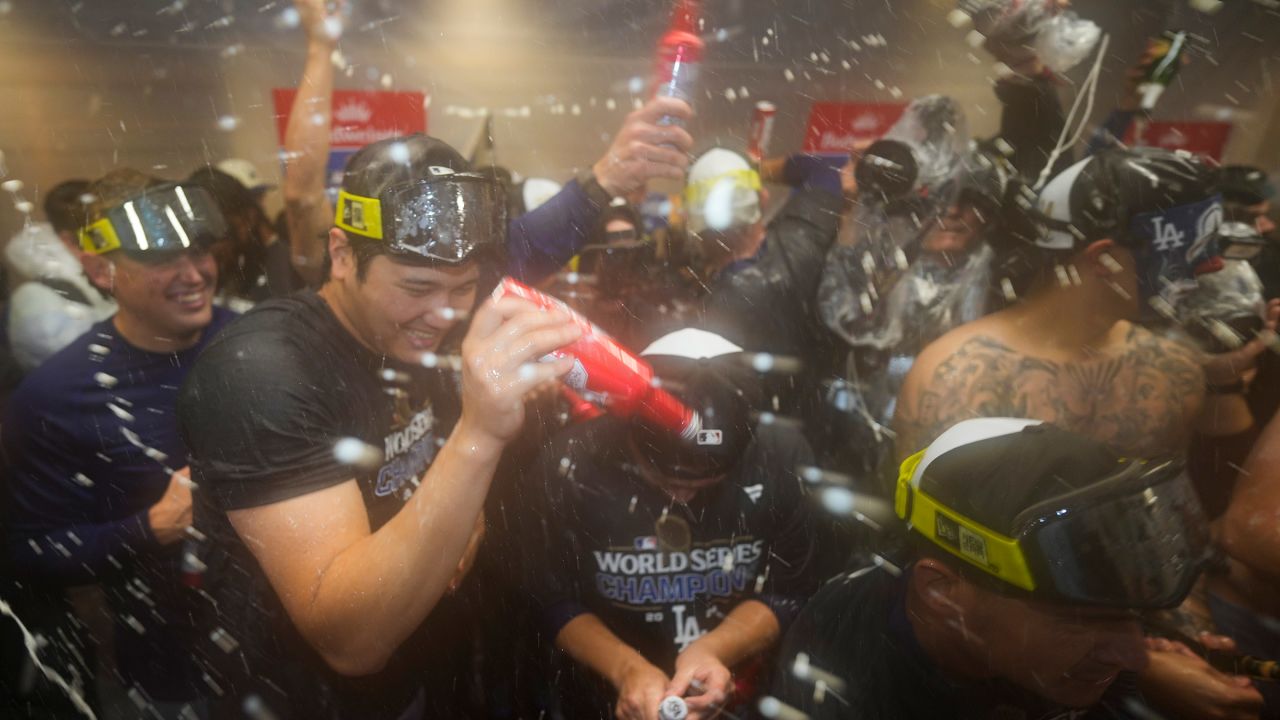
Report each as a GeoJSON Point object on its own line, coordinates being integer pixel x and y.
{"type": "Point", "coordinates": [714, 384]}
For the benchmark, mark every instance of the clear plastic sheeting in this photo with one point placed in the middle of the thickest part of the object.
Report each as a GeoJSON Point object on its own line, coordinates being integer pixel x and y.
{"type": "Point", "coordinates": [922, 303]}
{"type": "Point", "coordinates": [1059, 37]}
{"type": "Point", "coordinates": [871, 294]}
{"type": "Point", "coordinates": [1226, 307]}
{"type": "Point", "coordinates": [1066, 40]}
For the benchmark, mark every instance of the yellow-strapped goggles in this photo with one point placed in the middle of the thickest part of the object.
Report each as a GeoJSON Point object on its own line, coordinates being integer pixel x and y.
{"type": "Point", "coordinates": [994, 553]}
{"type": "Point", "coordinates": [359, 215]}
{"type": "Point", "coordinates": [445, 218]}
{"type": "Point", "coordinates": [1137, 539]}
{"type": "Point", "coordinates": [695, 194]}
{"type": "Point", "coordinates": [168, 217]}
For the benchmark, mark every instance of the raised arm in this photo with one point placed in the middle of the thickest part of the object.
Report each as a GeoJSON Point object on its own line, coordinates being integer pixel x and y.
{"type": "Point", "coordinates": [356, 595]}
{"type": "Point", "coordinates": [545, 239]}
{"type": "Point", "coordinates": [306, 142]}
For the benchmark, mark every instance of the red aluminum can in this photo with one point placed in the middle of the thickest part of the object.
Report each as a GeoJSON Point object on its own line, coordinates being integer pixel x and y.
{"type": "Point", "coordinates": [761, 130]}
{"type": "Point", "coordinates": [605, 370]}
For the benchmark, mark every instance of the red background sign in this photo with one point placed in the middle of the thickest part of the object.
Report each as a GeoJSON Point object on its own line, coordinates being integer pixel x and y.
{"type": "Point", "coordinates": [1202, 138]}
{"type": "Point", "coordinates": [835, 127]}
{"type": "Point", "coordinates": [362, 116]}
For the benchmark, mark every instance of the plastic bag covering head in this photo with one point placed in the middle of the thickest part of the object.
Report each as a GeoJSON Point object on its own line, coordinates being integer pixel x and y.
{"type": "Point", "coordinates": [1230, 300]}
{"type": "Point", "coordinates": [722, 193]}
{"type": "Point", "coordinates": [1160, 205]}
{"type": "Point", "coordinates": [1056, 514]}
{"type": "Point", "coordinates": [936, 130]}
{"type": "Point", "coordinates": [1065, 40]}
{"type": "Point", "coordinates": [155, 222]}
{"type": "Point", "coordinates": [712, 384]}
{"type": "Point", "coordinates": [1058, 37]}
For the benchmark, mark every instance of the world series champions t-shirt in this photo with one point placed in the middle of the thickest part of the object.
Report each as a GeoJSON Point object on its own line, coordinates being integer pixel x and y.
{"type": "Point", "coordinates": [263, 412]}
{"type": "Point", "coordinates": [658, 573]}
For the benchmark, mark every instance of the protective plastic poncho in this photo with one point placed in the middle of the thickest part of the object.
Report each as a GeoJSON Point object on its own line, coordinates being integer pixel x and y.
{"type": "Point", "coordinates": [885, 298]}
{"type": "Point", "coordinates": [872, 293]}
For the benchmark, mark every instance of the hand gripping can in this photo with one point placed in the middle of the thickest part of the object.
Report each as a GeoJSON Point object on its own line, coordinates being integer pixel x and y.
{"type": "Point", "coordinates": [605, 370]}
{"type": "Point", "coordinates": [761, 131]}
{"type": "Point", "coordinates": [679, 56]}
{"type": "Point", "coordinates": [673, 708]}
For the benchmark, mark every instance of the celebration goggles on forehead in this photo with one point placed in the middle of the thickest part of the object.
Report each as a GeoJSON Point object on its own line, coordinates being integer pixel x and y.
{"type": "Point", "coordinates": [1136, 540]}
{"type": "Point", "coordinates": [444, 218]}
{"type": "Point", "coordinates": [156, 223]}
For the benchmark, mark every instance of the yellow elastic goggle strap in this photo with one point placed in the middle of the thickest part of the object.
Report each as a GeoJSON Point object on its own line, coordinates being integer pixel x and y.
{"type": "Point", "coordinates": [902, 498]}
{"type": "Point", "coordinates": [696, 193]}
{"type": "Point", "coordinates": [982, 547]}
{"type": "Point", "coordinates": [360, 215]}
{"type": "Point", "coordinates": [100, 237]}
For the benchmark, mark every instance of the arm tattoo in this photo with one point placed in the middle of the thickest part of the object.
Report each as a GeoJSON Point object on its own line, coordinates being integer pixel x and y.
{"type": "Point", "coordinates": [1137, 397]}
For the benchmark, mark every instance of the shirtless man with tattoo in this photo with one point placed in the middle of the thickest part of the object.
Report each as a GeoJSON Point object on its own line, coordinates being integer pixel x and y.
{"type": "Point", "coordinates": [1127, 231]}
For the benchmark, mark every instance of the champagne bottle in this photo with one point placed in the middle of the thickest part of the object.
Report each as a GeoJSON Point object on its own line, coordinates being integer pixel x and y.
{"type": "Point", "coordinates": [1163, 68]}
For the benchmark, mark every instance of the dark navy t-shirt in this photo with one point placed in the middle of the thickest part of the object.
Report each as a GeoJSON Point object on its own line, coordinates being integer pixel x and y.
{"type": "Point", "coordinates": [91, 440]}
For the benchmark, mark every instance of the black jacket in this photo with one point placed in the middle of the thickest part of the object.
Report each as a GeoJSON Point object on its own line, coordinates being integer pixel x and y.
{"type": "Point", "coordinates": [769, 305]}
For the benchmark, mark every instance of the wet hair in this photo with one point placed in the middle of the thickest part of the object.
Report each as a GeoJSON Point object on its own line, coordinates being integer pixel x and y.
{"type": "Point", "coordinates": [917, 548]}
{"type": "Point", "coordinates": [365, 250]}
{"type": "Point", "coordinates": [64, 207]}
{"type": "Point", "coordinates": [114, 188]}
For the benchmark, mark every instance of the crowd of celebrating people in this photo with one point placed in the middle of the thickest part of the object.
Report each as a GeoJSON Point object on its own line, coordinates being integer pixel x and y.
{"type": "Point", "coordinates": [973, 428]}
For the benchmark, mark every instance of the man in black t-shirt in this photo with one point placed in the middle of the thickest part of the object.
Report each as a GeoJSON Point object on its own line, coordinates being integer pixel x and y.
{"type": "Point", "coordinates": [342, 469]}
{"type": "Point", "coordinates": [662, 565]}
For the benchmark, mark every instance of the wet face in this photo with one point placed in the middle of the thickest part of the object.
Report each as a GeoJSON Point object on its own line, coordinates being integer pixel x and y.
{"type": "Point", "coordinates": [954, 231]}
{"type": "Point", "coordinates": [680, 489]}
{"type": "Point", "coordinates": [404, 310]}
{"type": "Point", "coordinates": [172, 297]}
{"type": "Point", "coordinates": [1069, 656]}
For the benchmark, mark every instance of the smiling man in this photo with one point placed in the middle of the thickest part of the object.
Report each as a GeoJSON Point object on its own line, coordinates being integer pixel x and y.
{"type": "Point", "coordinates": [97, 491]}
{"type": "Point", "coordinates": [341, 481]}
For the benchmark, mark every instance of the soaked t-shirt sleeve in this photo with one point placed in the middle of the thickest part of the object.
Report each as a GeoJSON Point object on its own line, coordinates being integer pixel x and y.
{"type": "Point", "coordinates": [261, 419]}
